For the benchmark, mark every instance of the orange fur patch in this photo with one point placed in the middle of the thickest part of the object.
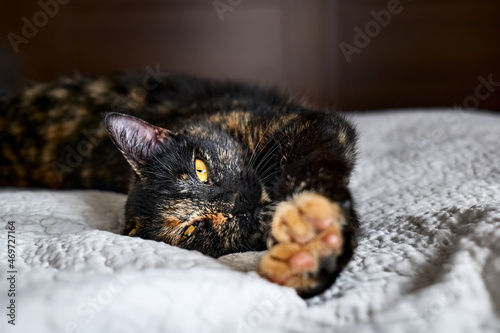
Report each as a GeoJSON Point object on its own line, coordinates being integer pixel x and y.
{"type": "Point", "coordinates": [217, 219]}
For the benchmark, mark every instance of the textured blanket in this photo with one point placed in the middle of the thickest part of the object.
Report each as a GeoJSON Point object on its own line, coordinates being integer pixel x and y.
{"type": "Point", "coordinates": [428, 192]}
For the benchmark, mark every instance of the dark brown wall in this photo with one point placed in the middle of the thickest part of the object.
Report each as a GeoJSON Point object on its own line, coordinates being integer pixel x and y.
{"type": "Point", "coordinates": [429, 54]}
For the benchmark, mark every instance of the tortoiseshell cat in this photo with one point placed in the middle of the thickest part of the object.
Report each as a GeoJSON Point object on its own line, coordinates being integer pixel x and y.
{"type": "Point", "coordinates": [218, 167]}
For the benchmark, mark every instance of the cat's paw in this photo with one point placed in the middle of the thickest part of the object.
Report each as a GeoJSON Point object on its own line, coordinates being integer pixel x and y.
{"type": "Point", "coordinates": [308, 232]}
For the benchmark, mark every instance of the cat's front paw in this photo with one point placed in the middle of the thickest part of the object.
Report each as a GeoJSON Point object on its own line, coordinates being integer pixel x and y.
{"type": "Point", "coordinates": [308, 232]}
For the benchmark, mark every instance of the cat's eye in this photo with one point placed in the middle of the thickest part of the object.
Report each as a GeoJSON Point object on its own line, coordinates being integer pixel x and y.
{"type": "Point", "coordinates": [189, 231]}
{"type": "Point", "coordinates": [201, 170]}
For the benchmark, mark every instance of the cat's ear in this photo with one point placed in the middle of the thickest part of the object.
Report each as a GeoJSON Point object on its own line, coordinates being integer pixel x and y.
{"type": "Point", "coordinates": [135, 138]}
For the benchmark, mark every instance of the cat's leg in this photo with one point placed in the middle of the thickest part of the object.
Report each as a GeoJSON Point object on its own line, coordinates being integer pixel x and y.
{"type": "Point", "coordinates": [313, 241]}
{"type": "Point", "coordinates": [314, 225]}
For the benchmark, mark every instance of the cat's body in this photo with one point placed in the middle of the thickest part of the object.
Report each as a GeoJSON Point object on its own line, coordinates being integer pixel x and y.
{"type": "Point", "coordinates": [223, 167]}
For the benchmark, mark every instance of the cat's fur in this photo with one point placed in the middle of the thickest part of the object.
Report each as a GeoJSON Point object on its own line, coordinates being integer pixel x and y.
{"type": "Point", "coordinates": [278, 171]}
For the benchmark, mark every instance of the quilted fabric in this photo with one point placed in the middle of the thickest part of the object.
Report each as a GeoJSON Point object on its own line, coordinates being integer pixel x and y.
{"type": "Point", "coordinates": [428, 260]}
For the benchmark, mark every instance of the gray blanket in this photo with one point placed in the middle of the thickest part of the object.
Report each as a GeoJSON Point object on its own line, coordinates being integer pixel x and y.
{"type": "Point", "coordinates": [428, 193]}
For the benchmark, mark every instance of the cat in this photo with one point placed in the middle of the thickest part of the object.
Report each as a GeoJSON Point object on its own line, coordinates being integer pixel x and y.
{"type": "Point", "coordinates": [216, 167]}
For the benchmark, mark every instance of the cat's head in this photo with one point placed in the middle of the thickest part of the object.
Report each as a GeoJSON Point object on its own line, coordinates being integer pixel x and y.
{"type": "Point", "coordinates": [193, 189]}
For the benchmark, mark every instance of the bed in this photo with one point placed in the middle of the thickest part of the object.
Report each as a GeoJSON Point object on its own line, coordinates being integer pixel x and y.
{"type": "Point", "coordinates": [427, 187]}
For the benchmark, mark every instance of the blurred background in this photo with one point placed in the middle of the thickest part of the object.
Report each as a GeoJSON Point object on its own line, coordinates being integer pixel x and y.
{"type": "Point", "coordinates": [353, 55]}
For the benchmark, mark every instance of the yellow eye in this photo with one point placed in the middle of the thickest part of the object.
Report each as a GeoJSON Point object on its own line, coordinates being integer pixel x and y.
{"type": "Point", "coordinates": [188, 233]}
{"type": "Point", "coordinates": [201, 170]}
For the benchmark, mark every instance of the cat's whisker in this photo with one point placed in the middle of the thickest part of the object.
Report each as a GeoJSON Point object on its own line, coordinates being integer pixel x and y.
{"type": "Point", "coordinates": [272, 150]}
{"type": "Point", "coordinates": [270, 176]}
{"type": "Point", "coordinates": [268, 169]}
{"type": "Point", "coordinates": [254, 155]}
{"type": "Point", "coordinates": [266, 176]}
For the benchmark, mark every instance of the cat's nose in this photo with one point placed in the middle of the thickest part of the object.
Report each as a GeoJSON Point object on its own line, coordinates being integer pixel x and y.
{"type": "Point", "coordinates": [241, 204]}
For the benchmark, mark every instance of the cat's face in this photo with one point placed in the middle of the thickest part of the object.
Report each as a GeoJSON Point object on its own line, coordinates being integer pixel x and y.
{"type": "Point", "coordinates": [194, 189]}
